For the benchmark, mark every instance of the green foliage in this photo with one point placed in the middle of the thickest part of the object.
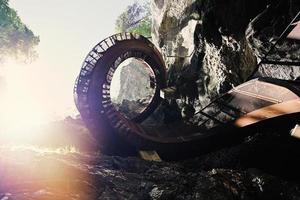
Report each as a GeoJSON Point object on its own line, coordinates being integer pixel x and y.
{"type": "Point", "coordinates": [136, 19]}
{"type": "Point", "coordinates": [143, 28]}
{"type": "Point", "coordinates": [16, 39]}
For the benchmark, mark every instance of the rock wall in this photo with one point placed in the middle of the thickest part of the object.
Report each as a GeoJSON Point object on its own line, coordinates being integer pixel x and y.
{"type": "Point", "coordinates": [207, 39]}
{"type": "Point", "coordinates": [132, 82]}
{"type": "Point", "coordinates": [132, 88]}
{"type": "Point", "coordinates": [265, 29]}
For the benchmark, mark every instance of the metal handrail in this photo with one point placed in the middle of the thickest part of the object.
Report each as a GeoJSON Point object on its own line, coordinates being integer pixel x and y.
{"type": "Point", "coordinates": [283, 34]}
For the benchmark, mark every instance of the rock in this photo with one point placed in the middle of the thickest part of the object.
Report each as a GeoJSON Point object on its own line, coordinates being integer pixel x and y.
{"type": "Point", "coordinates": [209, 38]}
{"type": "Point", "coordinates": [262, 167]}
{"type": "Point", "coordinates": [264, 30]}
{"type": "Point", "coordinates": [156, 193]}
{"type": "Point", "coordinates": [83, 176]}
{"type": "Point", "coordinates": [134, 75]}
{"type": "Point", "coordinates": [132, 87]}
{"type": "Point", "coordinates": [198, 40]}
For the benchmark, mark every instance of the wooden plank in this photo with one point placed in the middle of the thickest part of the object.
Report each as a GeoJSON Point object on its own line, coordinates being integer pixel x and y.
{"type": "Point", "coordinates": [295, 132]}
{"type": "Point", "coordinates": [268, 112]}
{"type": "Point", "coordinates": [150, 156]}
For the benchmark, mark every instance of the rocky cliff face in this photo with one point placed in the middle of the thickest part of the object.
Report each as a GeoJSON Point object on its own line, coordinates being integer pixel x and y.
{"type": "Point", "coordinates": [131, 87]}
{"type": "Point", "coordinates": [265, 29]}
{"type": "Point", "coordinates": [207, 38]}
{"type": "Point", "coordinates": [132, 82]}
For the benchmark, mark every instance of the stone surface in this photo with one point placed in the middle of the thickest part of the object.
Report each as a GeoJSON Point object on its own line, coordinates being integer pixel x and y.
{"type": "Point", "coordinates": [58, 165]}
{"type": "Point", "coordinates": [264, 30]}
{"type": "Point", "coordinates": [132, 82]}
{"type": "Point", "coordinates": [219, 41]}
{"type": "Point", "coordinates": [38, 174]}
{"type": "Point", "coordinates": [131, 88]}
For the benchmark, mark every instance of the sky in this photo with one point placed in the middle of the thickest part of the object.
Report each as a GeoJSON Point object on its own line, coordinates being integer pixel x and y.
{"type": "Point", "coordinates": [68, 29]}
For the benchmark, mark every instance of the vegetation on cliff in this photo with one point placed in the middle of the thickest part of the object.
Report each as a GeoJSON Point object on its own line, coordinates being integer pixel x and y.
{"type": "Point", "coordinates": [136, 19]}
{"type": "Point", "coordinates": [16, 39]}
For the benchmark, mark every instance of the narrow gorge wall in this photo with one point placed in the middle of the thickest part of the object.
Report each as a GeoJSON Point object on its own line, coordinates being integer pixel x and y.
{"type": "Point", "coordinates": [207, 39]}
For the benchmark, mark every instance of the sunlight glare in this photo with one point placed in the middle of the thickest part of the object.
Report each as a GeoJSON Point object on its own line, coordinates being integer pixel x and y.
{"type": "Point", "coordinates": [20, 111]}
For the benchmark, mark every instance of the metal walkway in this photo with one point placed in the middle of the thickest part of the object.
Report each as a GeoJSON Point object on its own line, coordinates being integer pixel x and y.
{"type": "Point", "coordinates": [219, 123]}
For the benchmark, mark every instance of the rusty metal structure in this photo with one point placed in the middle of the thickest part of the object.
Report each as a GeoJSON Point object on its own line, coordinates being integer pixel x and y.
{"type": "Point", "coordinates": [254, 105]}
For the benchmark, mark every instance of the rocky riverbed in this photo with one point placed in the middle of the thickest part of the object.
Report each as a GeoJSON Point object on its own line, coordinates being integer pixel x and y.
{"type": "Point", "coordinates": [263, 167]}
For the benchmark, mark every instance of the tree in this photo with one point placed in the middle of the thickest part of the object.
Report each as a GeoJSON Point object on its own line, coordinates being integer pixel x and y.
{"type": "Point", "coordinates": [136, 19]}
{"type": "Point", "coordinates": [16, 39]}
